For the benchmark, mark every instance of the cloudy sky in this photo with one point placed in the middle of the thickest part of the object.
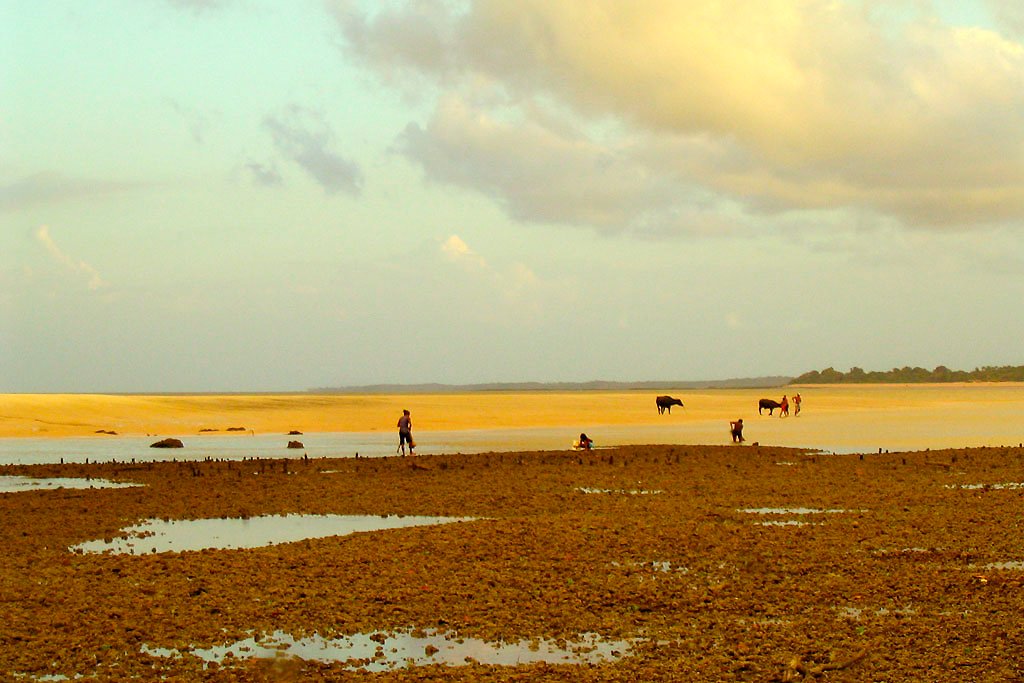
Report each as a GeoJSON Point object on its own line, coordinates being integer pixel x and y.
{"type": "Point", "coordinates": [260, 195]}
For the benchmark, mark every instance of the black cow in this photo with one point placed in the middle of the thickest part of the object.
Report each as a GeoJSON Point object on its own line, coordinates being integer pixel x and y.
{"type": "Point", "coordinates": [769, 404]}
{"type": "Point", "coordinates": [666, 403]}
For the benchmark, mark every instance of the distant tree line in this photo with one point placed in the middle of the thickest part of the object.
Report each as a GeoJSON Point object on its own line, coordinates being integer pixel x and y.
{"type": "Point", "coordinates": [909, 375]}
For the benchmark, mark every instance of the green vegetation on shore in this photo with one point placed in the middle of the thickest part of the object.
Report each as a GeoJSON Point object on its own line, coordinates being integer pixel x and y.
{"type": "Point", "coordinates": [909, 375]}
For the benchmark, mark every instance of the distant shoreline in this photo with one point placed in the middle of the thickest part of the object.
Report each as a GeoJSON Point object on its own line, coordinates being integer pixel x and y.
{"type": "Point", "coordinates": [771, 382]}
{"type": "Point", "coordinates": [766, 382]}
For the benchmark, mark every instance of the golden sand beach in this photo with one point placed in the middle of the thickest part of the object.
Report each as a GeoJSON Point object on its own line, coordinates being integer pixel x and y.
{"type": "Point", "coordinates": [891, 416]}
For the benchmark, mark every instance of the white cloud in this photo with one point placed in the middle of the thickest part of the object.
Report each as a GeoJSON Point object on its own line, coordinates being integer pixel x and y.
{"type": "Point", "coordinates": [197, 6]}
{"type": "Point", "coordinates": [786, 106]}
{"type": "Point", "coordinates": [1010, 15]}
{"type": "Point", "coordinates": [545, 172]}
{"type": "Point", "coordinates": [50, 188]}
{"type": "Point", "coordinates": [266, 175]}
{"type": "Point", "coordinates": [197, 121]}
{"type": "Point", "coordinates": [511, 292]}
{"type": "Point", "coordinates": [305, 138]}
{"type": "Point", "coordinates": [457, 250]}
{"type": "Point", "coordinates": [92, 276]}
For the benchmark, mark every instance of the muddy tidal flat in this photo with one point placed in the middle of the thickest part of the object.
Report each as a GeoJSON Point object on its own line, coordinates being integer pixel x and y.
{"type": "Point", "coordinates": [638, 563]}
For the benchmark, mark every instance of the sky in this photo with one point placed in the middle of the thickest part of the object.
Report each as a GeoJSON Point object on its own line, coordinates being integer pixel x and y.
{"type": "Point", "coordinates": [271, 195]}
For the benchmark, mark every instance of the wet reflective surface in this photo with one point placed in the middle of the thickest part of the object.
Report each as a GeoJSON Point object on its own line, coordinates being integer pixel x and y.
{"type": "Point", "coordinates": [1012, 565]}
{"type": "Point", "coordinates": [621, 492]}
{"type": "Point", "coordinates": [801, 515]}
{"type": "Point", "coordinates": [1009, 485]}
{"type": "Point", "coordinates": [790, 511]}
{"type": "Point", "coordinates": [402, 649]}
{"type": "Point", "coordinates": [157, 536]}
{"type": "Point", "coordinates": [241, 446]}
{"type": "Point", "coordinates": [15, 483]}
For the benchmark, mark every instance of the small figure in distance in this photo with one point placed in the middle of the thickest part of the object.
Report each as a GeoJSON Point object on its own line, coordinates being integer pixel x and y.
{"type": "Point", "coordinates": [736, 429]}
{"type": "Point", "coordinates": [784, 407]}
{"type": "Point", "coordinates": [796, 405]}
{"type": "Point", "coordinates": [585, 442]}
{"type": "Point", "coordinates": [405, 433]}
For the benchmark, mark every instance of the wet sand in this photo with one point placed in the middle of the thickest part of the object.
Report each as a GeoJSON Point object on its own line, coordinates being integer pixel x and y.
{"type": "Point", "coordinates": [727, 563]}
{"type": "Point", "coordinates": [867, 417]}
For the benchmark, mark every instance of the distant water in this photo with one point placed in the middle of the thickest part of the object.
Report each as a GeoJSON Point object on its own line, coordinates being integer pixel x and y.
{"type": "Point", "coordinates": [242, 446]}
{"type": "Point", "coordinates": [339, 444]}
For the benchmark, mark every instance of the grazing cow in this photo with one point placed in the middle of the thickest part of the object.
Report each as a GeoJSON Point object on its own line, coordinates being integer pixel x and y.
{"type": "Point", "coordinates": [666, 403]}
{"type": "Point", "coordinates": [769, 404]}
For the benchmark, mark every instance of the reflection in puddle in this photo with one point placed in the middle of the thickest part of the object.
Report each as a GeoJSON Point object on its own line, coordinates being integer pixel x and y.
{"type": "Point", "coordinates": [790, 511]}
{"type": "Point", "coordinates": [10, 484]}
{"type": "Point", "coordinates": [663, 566]}
{"type": "Point", "coordinates": [855, 613]}
{"type": "Point", "coordinates": [385, 652]}
{"type": "Point", "coordinates": [906, 552]}
{"type": "Point", "coordinates": [158, 536]}
{"type": "Point", "coordinates": [621, 492]}
{"type": "Point", "coordinates": [1016, 565]}
{"type": "Point", "coordinates": [1010, 485]}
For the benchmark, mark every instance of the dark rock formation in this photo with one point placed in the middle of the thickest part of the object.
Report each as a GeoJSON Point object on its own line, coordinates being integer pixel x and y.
{"type": "Point", "coordinates": [167, 443]}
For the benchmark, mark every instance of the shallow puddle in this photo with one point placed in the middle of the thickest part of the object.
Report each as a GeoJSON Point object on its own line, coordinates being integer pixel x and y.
{"type": "Point", "coordinates": [662, 566]}
{"type": "Point", "coordinates": [12, 484]}
{"type": "Point", "coordinates": [156, 536]}
{"type": "Point", "coordinates": [798, 512]}
{"type": "Point", "coordinates": [621, 492]}
{"type": "Point", "coordinates": [403, 649]}
{"type": "Point", "coordinates": [857, 613]}
{"type": "Point", "coordinates": [790, 511]}
{"type": "Point", "coordinates": [1009, 485]}
{"type": "Point", "coordinates": [1014, 565]}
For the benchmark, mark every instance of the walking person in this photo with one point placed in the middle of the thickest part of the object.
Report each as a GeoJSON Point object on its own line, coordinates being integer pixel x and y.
{"type": "Point", "coordinates": [736, 429]}
{"type": "Point", "coordinates": [405, 433]}
{"type": "Point", "coordinates": [796, 405]}
{"type": "Point", "coordinates": [784, 407]}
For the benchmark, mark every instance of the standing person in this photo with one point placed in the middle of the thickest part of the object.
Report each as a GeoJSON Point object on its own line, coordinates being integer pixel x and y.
{"type": "Point", "coordinates": [736, 429]}
{"type": "Point", "coordinates": [784, 407]}
{"type": "Point", "coordinates": [405, 433]}
{"type": "Point", "coordinates": [796, 405]}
